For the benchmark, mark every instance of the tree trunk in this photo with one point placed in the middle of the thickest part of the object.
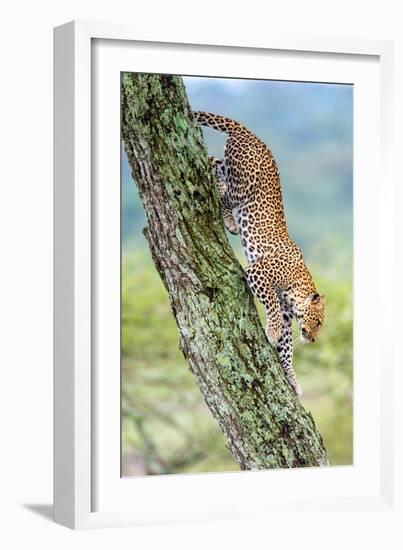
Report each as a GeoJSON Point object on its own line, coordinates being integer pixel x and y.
{"type": "Point", "coordinates": [220, 332]}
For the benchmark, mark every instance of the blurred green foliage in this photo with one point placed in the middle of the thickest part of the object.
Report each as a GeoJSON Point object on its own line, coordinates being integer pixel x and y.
{"type": "Point", "coordinates": [166, 426]}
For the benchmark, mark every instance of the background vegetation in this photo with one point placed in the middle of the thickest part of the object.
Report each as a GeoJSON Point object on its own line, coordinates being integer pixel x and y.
{"type": "Point", "coordinates": [166, 427]}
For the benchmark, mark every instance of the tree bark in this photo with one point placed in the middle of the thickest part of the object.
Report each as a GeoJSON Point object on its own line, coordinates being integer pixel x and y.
{"type": "Point", "coordinates": [219, 329]}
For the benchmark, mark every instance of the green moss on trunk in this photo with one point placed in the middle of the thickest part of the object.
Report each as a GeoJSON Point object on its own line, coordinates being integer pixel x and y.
{"type": "Point", "coordinates": [220, 332]}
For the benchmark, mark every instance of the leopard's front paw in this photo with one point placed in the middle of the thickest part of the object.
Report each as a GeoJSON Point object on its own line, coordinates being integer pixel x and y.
{"type": "Point", "coordinates": [297, 388]}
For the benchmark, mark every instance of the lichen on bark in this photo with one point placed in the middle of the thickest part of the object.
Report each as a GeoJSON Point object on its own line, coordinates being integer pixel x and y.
{"type": "Point", "coordinates": [219, 329]}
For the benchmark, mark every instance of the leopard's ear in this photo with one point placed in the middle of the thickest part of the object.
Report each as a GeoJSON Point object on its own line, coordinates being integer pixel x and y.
{"type": "Point", "coordinates": [316, 298]}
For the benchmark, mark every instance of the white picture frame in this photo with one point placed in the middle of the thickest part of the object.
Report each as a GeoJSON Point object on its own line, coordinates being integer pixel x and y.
{"type": "Point", "coordinates": [88, 490]}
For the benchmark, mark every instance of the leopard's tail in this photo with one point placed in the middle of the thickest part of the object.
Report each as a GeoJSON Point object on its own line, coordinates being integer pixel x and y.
{"type": "Point", "coordinates": [217, 122]}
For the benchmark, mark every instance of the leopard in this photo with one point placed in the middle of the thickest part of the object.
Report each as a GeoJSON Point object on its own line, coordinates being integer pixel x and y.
{"type": "Point", "coordinates": [249, 187]}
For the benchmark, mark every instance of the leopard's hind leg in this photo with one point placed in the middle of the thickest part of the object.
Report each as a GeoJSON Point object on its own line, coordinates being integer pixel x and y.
{"type": "Point", "coordinates": [218, 167]}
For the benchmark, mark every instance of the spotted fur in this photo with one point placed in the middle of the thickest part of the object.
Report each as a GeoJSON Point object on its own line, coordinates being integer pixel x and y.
{"type": "Point", "coordinates": [249, 186]}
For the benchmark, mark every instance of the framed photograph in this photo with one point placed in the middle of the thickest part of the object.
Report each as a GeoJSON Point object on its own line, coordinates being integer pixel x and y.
{"type": "Point", "coordinates": [222, 227]}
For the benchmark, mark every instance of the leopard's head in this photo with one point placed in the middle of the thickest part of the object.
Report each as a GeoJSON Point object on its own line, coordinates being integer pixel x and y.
{"type": "Point", "coordinates": [312, 317]}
